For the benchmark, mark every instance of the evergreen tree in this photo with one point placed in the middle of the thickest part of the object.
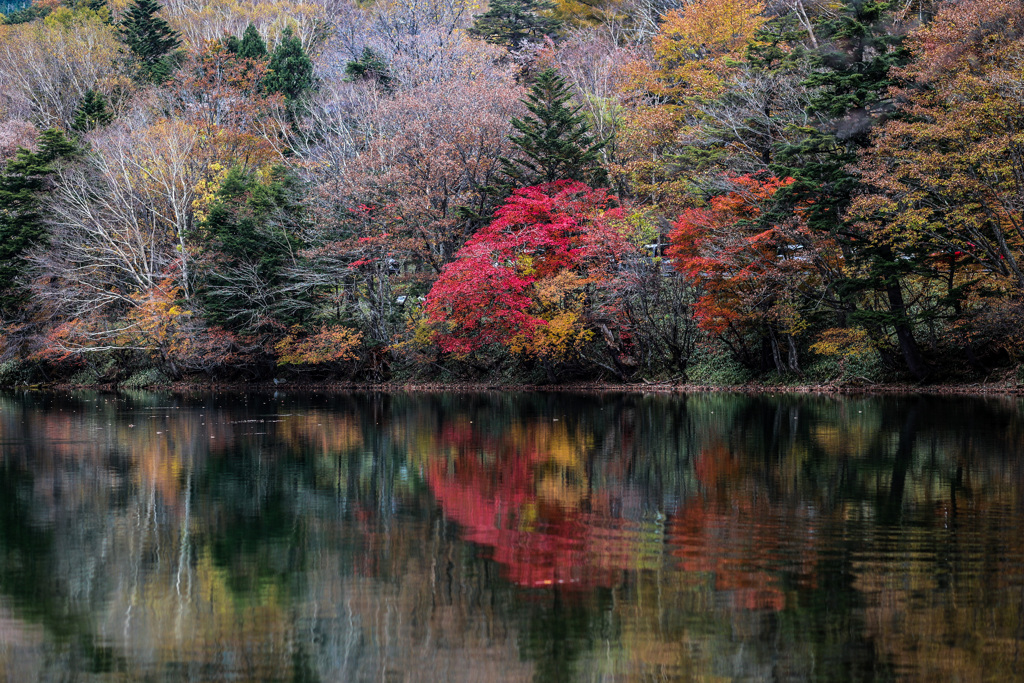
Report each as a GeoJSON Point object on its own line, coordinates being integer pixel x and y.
{"type": "Point", "coordinates": [247, 234]}
{"type": "Point", "coordinates": [291, 69]}
{"type": "Point", "coordinates": [92, 113]}
{"type": "Point", "coordinates": [851, 85]}
{"type": "Point", "coordinates": [370, 67]}
{"type": "Point", "coordinates": [555, 140]}
{"type": "Point", "coordinates": [23, 184]}
{"type": "Point", "coordinates": [97, 6]}
{"type": "Point", "coordinates": [511, 23]}
{"type": "Point", "coordinates": [252, 45]}
{"type": "Point", "coordinates": [150, 39]}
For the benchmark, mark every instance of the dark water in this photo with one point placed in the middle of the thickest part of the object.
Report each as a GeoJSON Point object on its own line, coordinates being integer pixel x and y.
{"type": "Point", "coordinates": [512, 537]}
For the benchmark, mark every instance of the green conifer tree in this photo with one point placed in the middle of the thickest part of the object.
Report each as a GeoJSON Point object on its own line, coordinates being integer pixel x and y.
{"type": "Point", "coordinates": [92, 113]}
{"type": "Point", "coordinates": [150, 39]}
{"type": "Point", "coordinates": [97, 6]}
{"type": "Point", "coordinates": [510, 23]}
{"type": "Point", "coordinates": [291, 69]}
{"type": "Point", "coordinates": [555, 140]}
{"type": "Point", "coordinates": [252, 45]}
{"type": "Point", "coordinates": [247, 232]}
{"type": "Point", "coordinates": [23, 184]}
{"type": "Point", "coordinates": [851, 85]}
{"type": "Point", "coordinates": [370, 67]}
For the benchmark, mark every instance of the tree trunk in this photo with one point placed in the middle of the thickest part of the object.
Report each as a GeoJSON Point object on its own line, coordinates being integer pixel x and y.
{"type": "Point", "coordinates": [794, 364]}
{"type": "Point", "coordinates": [904, 333]}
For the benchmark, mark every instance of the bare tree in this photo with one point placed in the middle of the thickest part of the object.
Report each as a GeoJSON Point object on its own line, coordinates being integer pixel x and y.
{"type": "Point", "coordinates": [121, 219]}
{"type": "Point", "coordinates": [47, 67]}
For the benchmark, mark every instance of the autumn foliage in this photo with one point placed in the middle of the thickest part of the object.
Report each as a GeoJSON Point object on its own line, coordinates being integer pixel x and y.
{"type": "Point", "coordinates": [526, 281]}
{"type": "Point", "coordinates": [246, 188]}
{"type": "Point", "coordinates": [752, 268]}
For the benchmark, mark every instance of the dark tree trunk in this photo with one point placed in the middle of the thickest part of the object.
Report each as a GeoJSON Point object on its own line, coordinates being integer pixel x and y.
{"type": "Point", "coordinates": [908, 346]}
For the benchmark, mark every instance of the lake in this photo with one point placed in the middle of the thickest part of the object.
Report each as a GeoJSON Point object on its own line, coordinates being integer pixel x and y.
{"type": "Point", "coordinates": [510, 537]}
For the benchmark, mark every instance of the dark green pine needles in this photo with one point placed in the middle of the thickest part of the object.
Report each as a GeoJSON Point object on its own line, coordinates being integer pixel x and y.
{"type": "Point", "coordinates": [151, 41]}
{"type": "Point", "coordinates": [554, 140]}
{"type": "Point", "coordinates": [510, 23]}
{"type": "Point", "coordinates": [92, 113]}
{"type": "Point", "coordinates": [291, 69]}
{"type": "Point", "coordinates": [23, 184]}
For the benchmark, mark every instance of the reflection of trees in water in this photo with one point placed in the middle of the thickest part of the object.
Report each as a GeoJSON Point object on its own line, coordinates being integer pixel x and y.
{"type": "Point", "coordinates": [326, 538]}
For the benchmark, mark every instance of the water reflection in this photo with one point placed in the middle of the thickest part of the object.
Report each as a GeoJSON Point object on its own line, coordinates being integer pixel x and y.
{"type": "Point", "coordinates": [509, 537]}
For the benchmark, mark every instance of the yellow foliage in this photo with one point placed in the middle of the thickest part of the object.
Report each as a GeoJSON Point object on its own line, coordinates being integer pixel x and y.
{"type": "Point", "coordinates": [560, 302]}
{"type": "Point", "coordinates": [330, 345]}
{"type": "Point", "coordinates": [156, 323]}
{"type": "Point", "coordinates": [589, 12]}
{"type": "Point", "coordinates": [47, 66]}
{"type": "Point", "coordinates": [697, 45]}
{"type": "Point", "coordinates": [845, 342]}
{"type": "Point", "coordinates": [199, 23]}
{"type": "Point", "coordinates": [206, 191]}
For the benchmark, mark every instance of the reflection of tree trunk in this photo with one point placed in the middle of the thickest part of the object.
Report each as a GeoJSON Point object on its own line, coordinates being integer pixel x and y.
{"type": "Point", "coordinates": [891, 509]}
{"type": "Point", "coordinates": [184, 551]}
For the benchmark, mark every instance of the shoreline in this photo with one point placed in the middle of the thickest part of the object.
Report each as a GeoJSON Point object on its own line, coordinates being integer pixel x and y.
{"type": "Point", "coordinates": [904, 389]}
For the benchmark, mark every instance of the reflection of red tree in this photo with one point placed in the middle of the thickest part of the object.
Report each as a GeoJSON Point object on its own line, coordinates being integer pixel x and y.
{"type": "Point", "coordinates": [746, 544]}
{"type": "Point", "coordinates": [538, 542]}
{"type": "Point", "coordinates": [492, 487]}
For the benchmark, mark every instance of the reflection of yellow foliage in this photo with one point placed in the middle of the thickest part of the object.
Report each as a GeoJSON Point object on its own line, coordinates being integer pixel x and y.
{"type": "Point", "coordinates": [849, 428]}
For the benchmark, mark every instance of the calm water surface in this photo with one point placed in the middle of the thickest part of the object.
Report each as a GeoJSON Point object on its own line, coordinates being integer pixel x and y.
{"type": "Point", "coordinates": [518, 537]}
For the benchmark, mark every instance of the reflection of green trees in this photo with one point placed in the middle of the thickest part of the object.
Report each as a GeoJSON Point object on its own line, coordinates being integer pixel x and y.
{"type": "Point", "coordinates": [28, 578]}
{"type": "Point", "coordinates": [560, 629]}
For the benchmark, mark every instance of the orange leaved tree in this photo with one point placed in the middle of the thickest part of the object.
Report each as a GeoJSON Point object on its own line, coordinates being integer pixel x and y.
{"type": "Point", "coordinates": [757, 272]}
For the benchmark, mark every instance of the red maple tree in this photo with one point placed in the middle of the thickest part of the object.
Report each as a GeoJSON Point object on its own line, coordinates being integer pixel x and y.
{"type": "Point", "coordinates": [531, 281]}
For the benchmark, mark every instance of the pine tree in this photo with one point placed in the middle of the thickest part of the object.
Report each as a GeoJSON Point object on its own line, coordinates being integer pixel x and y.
{"type": "Point", "coordinates": [555, 141]}
{"type": "Point", "coordinates": [92, 113]}
{"type": "Point", "coordinates": [851, 87]}
{"type": "Point", "coordinates": [291, 69]}
{"type": "Point", "coordinates": [511, 23]}
{"type": "Point", "coordinates": [370, 67]}
{"type": "Point", "coordinates": [23, 183]}
{"type": "Point", "coordinates": [252, 45]}
{"type": "Point", "coordinates": [247, 233]}
{"type": "Point", "coordinates": [150, 39]}
{"type": "Point", "coordinates": [97, 6]}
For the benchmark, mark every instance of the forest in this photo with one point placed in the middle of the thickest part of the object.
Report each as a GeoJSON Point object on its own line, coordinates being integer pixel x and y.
{"type": "Point", "coordinates": [521, 191]}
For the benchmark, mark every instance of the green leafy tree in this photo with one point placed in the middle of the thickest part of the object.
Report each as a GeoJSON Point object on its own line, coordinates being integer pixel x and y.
{"type": "Point", "coordinates": [150, 39]}
{"type": "Point", "coordinates": [511, 23]}
{"type": "Point", "coordinates": [555, 140]}
{"type": "Point", "coordinates": [23, 184]}
{"type": "Point", "coordinates": [92, 113]}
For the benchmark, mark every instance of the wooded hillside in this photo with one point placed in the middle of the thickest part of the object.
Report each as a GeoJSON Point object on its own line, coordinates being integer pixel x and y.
{"type": "Point", "coordinates": [713, 190]}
